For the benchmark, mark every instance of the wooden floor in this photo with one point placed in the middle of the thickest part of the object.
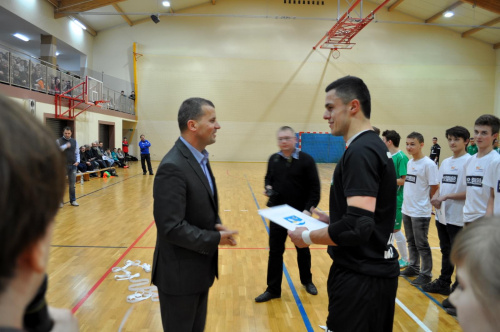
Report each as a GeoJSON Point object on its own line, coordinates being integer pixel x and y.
{"type": "Point", "coordinates": [114, 223]}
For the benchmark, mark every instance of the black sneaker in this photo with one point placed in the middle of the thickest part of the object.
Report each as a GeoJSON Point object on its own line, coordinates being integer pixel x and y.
{"type": "Point", "coordinates": [408, 272]}
{"type": "Point", "coordinates": [437, 286]}
{"type": "Point", "coordinates": [446, 303]}
{"type": "Point", "coordinates": [421, 280]}
{"type": "Point", "coordinates": [266, 296]}
{"type": "Point", "coordinates": [451, 311]}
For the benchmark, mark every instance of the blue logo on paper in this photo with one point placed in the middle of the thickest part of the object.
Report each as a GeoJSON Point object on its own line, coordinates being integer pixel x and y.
{"type": "Point", "coordinates": [295, 220]}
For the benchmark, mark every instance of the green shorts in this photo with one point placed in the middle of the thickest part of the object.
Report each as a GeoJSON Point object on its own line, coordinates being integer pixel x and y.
{"type": "Point", "coordinates": [399, 219]}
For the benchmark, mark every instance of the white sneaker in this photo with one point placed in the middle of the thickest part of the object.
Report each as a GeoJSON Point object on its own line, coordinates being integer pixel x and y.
{"type": "Point", "coordinates": [61, 205]}
{"type": "Point", "coordinates": [74, 203]}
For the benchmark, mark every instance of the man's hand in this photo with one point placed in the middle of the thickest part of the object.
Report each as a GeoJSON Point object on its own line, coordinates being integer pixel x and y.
{"type": "Point", "coordinates": [226, 235]}
{"type": "Point", "coordinates": [296, 237]}
{"type": "Point", "coordinates": [268, 188]}
{"type": "Point", "coordinates": [321, 215]}
{"type": "Point", "coordinates": [76, 164]}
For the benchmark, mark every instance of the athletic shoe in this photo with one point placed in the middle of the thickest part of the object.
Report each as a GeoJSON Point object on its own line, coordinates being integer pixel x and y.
{"type": "Point", "coordinates": [446, 303]}
{"type": "Point", "coordinates": [408, 272]}
{"type": "Point", "coordinates": [437, 286]}
{"type": "Point", "coordinates": [421, 280]}
{"type": "Point", "coordinates": [403, 263]}
{"type": "Point", "coordinates": [451, 311]}
{"type": "Point", "coordinates": [61, 205]}
{"type": "Point", "coordinates": [74, 203]}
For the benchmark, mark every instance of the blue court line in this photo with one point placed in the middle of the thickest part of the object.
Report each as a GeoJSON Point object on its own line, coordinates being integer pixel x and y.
{"type": "Point", "coordinates": [429, 296]}
{"type": "Point", "coordinates": [302, 311]}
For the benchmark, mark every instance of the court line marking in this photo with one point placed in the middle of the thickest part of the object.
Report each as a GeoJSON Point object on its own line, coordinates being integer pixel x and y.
{"type": "Point", "coordinates": [69, 246]}
{"type": "Point", "coordinates": [124, 320]}
{"type": "Point", "coordinates": [99, 282]}
{"type": "Point", "coordinates": [109, 185]}
{"type": "Point", "coordinates": [412, 315]}
{"type": "Point", "coordinates": [427, 294]}
{"type": "Point", "coordinates": [302, 311]}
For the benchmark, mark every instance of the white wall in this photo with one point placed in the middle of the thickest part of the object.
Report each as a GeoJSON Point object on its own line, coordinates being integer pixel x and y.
{"type": "Point", "coordinates": [262, 73]}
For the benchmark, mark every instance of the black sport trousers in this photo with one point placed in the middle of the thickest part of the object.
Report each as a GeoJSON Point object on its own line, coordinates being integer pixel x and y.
{"type": "Point", "coordinates": [359, 302]}
{"type": "Point", "coordinates": [146, 158]}
{"type": "Point", "coordinates": [277, 239]}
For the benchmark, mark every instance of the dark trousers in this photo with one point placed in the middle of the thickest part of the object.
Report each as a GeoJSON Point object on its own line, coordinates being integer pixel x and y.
{"type": "Point", "coordinates": [146, 158]}
{"type": "Point", "coordinates": [183, 313]}
{"type": "Point", "coordinates": [446, 234]}
{"type": "Point", "coordinates": [277, 239]}
{"type": "Point", "coordinates": [359, 302]}
{"type": "Point", "coordinates": [71, 172]}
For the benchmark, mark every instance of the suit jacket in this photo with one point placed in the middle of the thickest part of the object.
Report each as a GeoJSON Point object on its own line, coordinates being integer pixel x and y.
{"type": "Point", "coordinates": [185, 211]}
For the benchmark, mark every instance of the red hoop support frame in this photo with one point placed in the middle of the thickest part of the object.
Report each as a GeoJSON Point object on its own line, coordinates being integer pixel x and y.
{"type": "Point", "coordinates": [74, 102]}
{"type": "Point", "coordinates": [346, 28]}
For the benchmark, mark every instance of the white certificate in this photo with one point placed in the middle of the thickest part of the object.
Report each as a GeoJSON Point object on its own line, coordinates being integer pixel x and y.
{"type": "Point", "coordinates": [288, 217]}
{"type": "Point", "coordinates": [440, 213]}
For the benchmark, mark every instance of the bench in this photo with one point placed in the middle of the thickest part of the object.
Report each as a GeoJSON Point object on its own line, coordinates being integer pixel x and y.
{"type": "Point", "coordinates": [86, 175]}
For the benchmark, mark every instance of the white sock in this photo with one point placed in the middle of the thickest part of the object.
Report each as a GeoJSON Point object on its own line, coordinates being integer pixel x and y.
{"type": "Point", "coordinates": [401, 243]}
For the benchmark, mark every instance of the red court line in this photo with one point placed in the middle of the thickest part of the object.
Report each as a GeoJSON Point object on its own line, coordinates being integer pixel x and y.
{"type": "Point", "coordinates": [99, 282]}
{"type": "Point", "coordinates": [232, 248]}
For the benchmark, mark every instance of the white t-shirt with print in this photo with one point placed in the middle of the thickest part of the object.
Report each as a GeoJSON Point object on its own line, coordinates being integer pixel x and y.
{"type": "Point", "coordinates": [477, 194]}
{"type": "Point", "coordinates": [420, 175]}
{"type": "Point", "coordinates": [492, 180]}
{"type": "Point", "coordinates": [451, 175]}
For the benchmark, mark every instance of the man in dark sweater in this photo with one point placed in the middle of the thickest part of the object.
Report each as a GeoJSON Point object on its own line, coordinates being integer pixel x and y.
{"type": "Point", "coordinates": [70, 148]}
{"type": "Point", "coordinates": [363, 278]}
{"type": "Point", "coordinates": [435, 151]}
{"type": "Point", "coordinates": [292, 178]}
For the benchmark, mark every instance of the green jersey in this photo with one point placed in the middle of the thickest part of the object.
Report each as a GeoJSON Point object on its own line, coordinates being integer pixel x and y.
{"type": "Point", "coordinates": [400, 161]}
{"type": "Point", "coordinates": [472, 149]}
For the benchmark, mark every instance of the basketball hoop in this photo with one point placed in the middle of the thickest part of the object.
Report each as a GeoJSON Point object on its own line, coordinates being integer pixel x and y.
{"type": "Point", "coordinates": [137, 55]}
{"type": "Point", "coordinates": [335, 53]}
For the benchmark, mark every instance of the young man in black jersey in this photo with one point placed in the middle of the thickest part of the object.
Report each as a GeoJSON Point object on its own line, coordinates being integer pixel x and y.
{"type": "Point", "coordinates": [363, 278]}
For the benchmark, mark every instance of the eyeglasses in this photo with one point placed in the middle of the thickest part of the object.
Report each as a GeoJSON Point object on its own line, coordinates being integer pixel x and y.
{"type": "Point", "coordinates": [286, 138]}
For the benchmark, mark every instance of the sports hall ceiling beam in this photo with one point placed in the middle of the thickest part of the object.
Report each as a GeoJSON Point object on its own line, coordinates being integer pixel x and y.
{"type": "Point", "coordinates": [394, 5]}
{"type": "Point", "coordinates": [487, 24]}
{"type": "Point", "coordinates": [125, 17]}
{"type": "Point", "coordinates": [491, 5]}
{"type": "Point", "coordinates": [80, 6]}
{"type": "Point", "coordinates": [438, 15]}
{"type": "Point", "coordinates": [53, 2]}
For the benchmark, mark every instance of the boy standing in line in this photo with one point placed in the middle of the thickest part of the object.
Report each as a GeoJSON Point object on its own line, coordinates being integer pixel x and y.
{"type": "Point", "coordinates": [477, 196]}
{"type": "Point", "coordinates": [420, 185]}
{"type": "Point", "coordinates": [472, 148]}
{"type": "Point", "coordinates": [452, 191]}
{"type": "Point", "coordinates": [391, 139]}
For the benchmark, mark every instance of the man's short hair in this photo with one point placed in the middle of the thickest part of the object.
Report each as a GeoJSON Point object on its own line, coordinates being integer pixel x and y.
{"type": "Point", "coordinates": [435, 138]}
{"type": "Point", "coordinates": [418, 136]}
{"type": "Point", "coordinates": [349, 88]}
{"type": "Point", "coordinates": [393, 136]}
{"type": "Point", "coordinates": [191, 110]}
{"type": "Point", "coordinates": [489, 120]}
{"type": "Point", "coordinates": [376, 130]}
{"type": "Point", "coordinates": [34, 177]}
{"type": "Point", "coordinates": [286, 128]}
{"type": "Point", "coordinates": [458, 132]}
{"type": "Point", "coordinates": [67, 128]}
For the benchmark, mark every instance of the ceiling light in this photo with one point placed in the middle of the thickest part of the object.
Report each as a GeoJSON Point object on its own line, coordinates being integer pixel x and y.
{"type": "Point", "coordinates": [57, 53]}
{"type": "Point", "coordinates": [79, 24]}
{"type": "Point", "coordinates": [448, 14]}
{"type": "Point", "coordinates": [166, 3]}
{"type": "Point", "coordinates": [22, 37]}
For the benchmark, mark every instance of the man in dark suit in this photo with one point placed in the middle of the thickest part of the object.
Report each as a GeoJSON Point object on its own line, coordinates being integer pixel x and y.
{"type": "Point", "coordinates": [187, 220]}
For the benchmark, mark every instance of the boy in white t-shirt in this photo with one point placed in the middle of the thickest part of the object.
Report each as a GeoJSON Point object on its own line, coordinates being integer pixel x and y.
{"type": "Point", "coordinates": [420, 185]}
{"type": "Point", "coordinates": [492, 180]}
{"type": "Point", "coordinates": [450, 199]}
{"type": "Point", "coordinates": [477, 196]}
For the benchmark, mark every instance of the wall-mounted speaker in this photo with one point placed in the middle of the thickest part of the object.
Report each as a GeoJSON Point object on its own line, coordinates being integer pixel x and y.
{"type": "Point", "coordinates": [31, 106]}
